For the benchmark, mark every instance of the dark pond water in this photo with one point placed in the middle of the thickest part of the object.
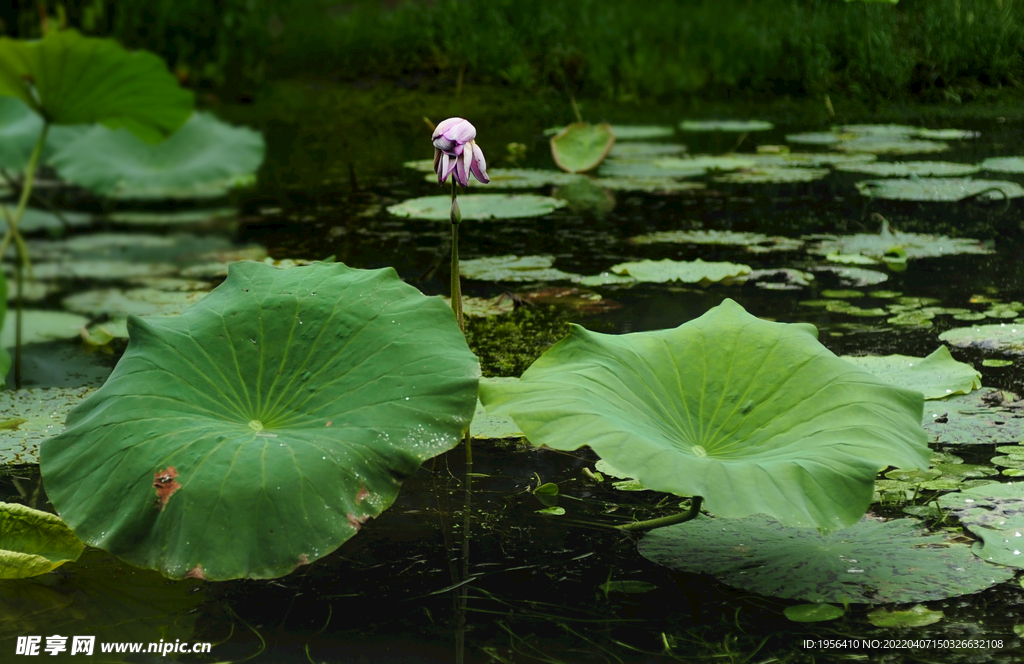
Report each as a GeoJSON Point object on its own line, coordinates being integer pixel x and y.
{"type": "Point", "coordinates": [463, 569]}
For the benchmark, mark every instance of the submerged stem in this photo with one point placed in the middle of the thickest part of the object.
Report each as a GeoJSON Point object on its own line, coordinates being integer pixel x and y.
{"type": "Point", "coordinates": [650, 524]}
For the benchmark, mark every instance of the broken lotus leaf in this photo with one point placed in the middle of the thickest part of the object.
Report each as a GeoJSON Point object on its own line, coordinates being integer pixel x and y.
{"type": "Point", "coordinates": [478, 207]}
{"type": "Point", "coordinates": [871, 562]}
{"type": "Point", "coordinates": [692, 272]}
{"type": "Point", "coordinates": [936, 376]}
{"type": "Point", "coordinates": [983, 417]}
{"type": "Point", "coordinates": [70, 79]}
{"type": "Point", "coordinates": [754, 416]}
{"type": "Point", "coordinates": [994, 513]}
{"type": "Point", "coordinates": [279, 414]}
{"type": "Point", "coordinates": [581, 146]}
{"type": "Point", "coordinates": [33, 542]}
{"type": "Point", "coordinates": [204, 158]}
{"type": "Point", "coordinates": [1004, 337]}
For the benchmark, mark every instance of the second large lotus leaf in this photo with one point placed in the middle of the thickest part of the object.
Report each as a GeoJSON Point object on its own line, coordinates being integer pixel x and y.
{"type": "Point", "coordinates": [71, 79]}
{"type": "Point", "coordinates": [204, 158]}
{"type": "Point", "coordinates": [936, 376]}
{"type": "Point", "coordinates": [33, 542]}
{"type": "Point", "coordinates": [870, 562]}
{"type": "Point", "coordinates": [755, 416]}
{"type": "Point", "coordinates": [19, 132]}
{"type": "Point", "coordinates": [581, 146]}
{"type": "Point", "coordinates": [995, 513]}
{"type": "Point", "coordinates": [260, 429]}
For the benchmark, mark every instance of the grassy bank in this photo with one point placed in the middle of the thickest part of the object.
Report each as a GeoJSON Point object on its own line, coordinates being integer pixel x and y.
{"type": "Point", "coordinates": [954, 50]}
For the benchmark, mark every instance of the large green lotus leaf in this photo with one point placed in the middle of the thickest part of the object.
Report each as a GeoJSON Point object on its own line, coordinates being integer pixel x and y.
{"type": "Point", "coordinates": [725, 125]}
{"type": "Point", "coordinates": [903, 169]}
{"type": "Point", "coordinates": [756, 417]}
{"type": "Point", "coordinates": [879, 246]}
{"type": "Point", "coordinates": [995, 513]}
{"type": "Point", "coordinates": [983, 417]}
{"type": "Point", "coordinates": [692, 272]}
{"type": "Point", "coordinates": [71, 79]}
{"type": "Point", "coordinates": [870, 562]}
{"type": "Point", "coordinates": [261, 428]}
{"type": "Point", "coordinates": [202, 159]}
{"type": "Point", "coordinates": [939, 189]}
{"type": "Point", "coordinates": [936, 376]}
{"type": "Point", "coordinates": [1002, 338]}
{"type": "Point", "coordinates": [581, 146]}
{"type": "Point", "coordinates": [19, 132]}
{"type": "Point", "coordinates": [30, 416]}
{"type": "Point", "coordinates": [33, 542]}
{"type": "Point", "coordinates": [479, 207]}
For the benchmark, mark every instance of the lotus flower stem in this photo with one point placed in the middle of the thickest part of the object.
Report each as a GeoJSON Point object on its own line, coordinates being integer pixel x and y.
{"type": "Point", "coordinates": [456, 282]}
{"type": "Point", "coordinates": [650, 524]}
{"type": "Point", "coordinates": [19, 242]}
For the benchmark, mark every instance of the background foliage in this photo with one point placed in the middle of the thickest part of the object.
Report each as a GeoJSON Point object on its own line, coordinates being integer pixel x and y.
{"type": "Point", "coordinates": [590, 47]}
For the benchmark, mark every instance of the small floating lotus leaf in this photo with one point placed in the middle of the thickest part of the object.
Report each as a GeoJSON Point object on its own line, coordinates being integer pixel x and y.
{"type": "Point", "coordinates": [753, 416]}
{"type": "Point", "coordinates": [936, 376]}
{"type": "Point", "coordinates": [19, 131]}
{"type": "Point", "coordinates": [877, 129]}
{"type": "Point", "coordinates": [581, 146]}
{"type": "Point", "coordinates": [854, 276]}
{"type": "Point", "coordinates": [985, 416]}
{"type": "Point", "coordinates": [205, 158]}
{"type": "Point", "coordinates": [642, 150]}
{"type": "Point", "coordinates": [753, 242]}
{"type": "Point", "coordinates": [706, 162]}
{"type": "Point", "coordinates": [994, 513]}
{"type": "Point", "coordinates": [651, 185]}
{"type": "Point", "coordinates": [513, 268]}
{"type": "Point", "coordinates": [1002, 337]}
{"type": "Point", "coordinates": [479, 207]}
{"type": "Point", "coordinates": [33, 542]}
{"type": "Point", "coordinates": [783, 278]}
{"type": "Point", "coordinates": [605, 279]}
{"type": "Point", "coordinates": [813, 159]}
{"type": "Point", "coordinates": [903, 169]}
{"type": "Point", "coordinates": [774, 174]}
{"type": "Point", "coordinates": [39, 325]}
{"type": "Point", "coordinates": [725, 125]}
{"type": "Point", "coordinates": [628, 132]}
{"type": "Point", "coordinates": [492, 427]}
{"type": "Point", "coordinates": [916, 616]}
{"type": "Point", "coordinates": [480, 307]}
{"type": "Point", "coordinates": [813, 612]}
{"type": "Point", "coordinates": [939, 189]}
{"type": "Point", "coordinates": [280, 414]}
{"type": "Point", "coordinates": [173, 217]}
{"type": "Point", "coordinates": [947, 134]}
{"type": "Point", "coordinates": [870, 562]}
{"type": "Point", "coordinates": [693, 272]}
{"type": "Point", "coordinates": [136, 301]}
{"type": "Point", "coordinates": [814, 137]}
{"type": "Point", "coordinates": [38, 220]}
{"type": "Point", "coordinates": [71, 79]}
{"type": "Point", "coordinates": [517, 178]}
{"type": "Point", "coordinates": [1003, 164]}
{"type": "Point", "coordinates": [647, 169]}
{"type": "Point", "coordinates": [879, 246]}
{"type": "Point", "coordinates": [890, 145]}
{"type": "Point", "coordinates": [996, 363]}
{"type": "Point", "coordinates": [30, 416]}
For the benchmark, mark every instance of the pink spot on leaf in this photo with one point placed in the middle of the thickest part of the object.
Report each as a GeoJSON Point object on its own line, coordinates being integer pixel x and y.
{"type": "Point", "coordinates": [362, 495]}
{"type": "Point", "coordinates": [165, 485]}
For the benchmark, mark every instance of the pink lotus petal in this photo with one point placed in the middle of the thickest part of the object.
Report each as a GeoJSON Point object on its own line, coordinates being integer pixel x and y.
{"type": "Point", "coordinates": [478, 165]}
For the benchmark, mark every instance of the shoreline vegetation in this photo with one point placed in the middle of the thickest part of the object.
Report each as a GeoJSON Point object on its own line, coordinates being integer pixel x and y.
{"type": "Point", "coordinates": [950, 53]}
